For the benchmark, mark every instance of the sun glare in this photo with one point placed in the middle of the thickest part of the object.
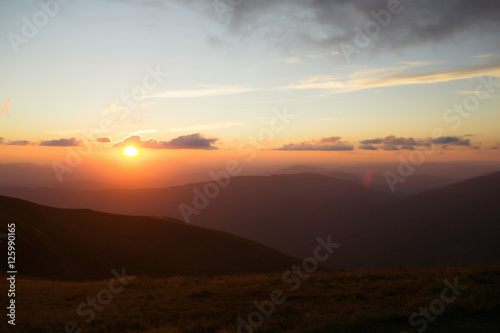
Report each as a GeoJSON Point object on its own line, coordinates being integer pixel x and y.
{"type": "Point", "coordinates": [130, 152]}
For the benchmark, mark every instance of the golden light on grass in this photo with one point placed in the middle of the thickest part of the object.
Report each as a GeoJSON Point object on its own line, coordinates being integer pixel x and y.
{"type": "Point", "coordinates": [130, 152]}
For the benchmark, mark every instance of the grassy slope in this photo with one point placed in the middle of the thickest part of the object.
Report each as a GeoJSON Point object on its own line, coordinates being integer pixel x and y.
{"type": "Point", "coordinates": [326, 302]}
{"type": "Point", "coordinates": [67, 244]}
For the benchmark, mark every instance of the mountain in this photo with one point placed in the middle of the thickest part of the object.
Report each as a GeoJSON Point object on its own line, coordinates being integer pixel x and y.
{"type": "Point", "coordinates": [376, 179]}
{"type": "Point", "coordinates": [286, 212]}
{"type": "Point", "coordinates": [413, 185]}
{"type": "Point", "coordinates": [454, 225]}
{"type": "Point", "coordinates": [68, 244]}
{"type": "Point", "coordinates": [298, 169]}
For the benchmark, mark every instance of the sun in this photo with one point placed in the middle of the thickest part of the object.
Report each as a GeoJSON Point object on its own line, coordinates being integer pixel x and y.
{"type": "Point", "coordinates": [130, 152]}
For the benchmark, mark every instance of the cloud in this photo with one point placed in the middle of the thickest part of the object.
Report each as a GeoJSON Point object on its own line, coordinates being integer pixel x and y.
{"type": "Point", "coordinates": [5, 105]}
{"type": "Point", "coordinates": [204, 127]}
{"type": "Point", "coordinates": [293, 60]}
{"type": "Point", "coordinates": [403, 74]}
{"type": "Point", "coordinates": [389, 147]}
{"type": "Point", "coordinates": [367, 147]}
{"type": "Point", "coordinates": [324, 24]}
{"type": "Point", "coordinates": [71, 142]}
{"type": "Point", "coordinates": [209, 91]}
{"type": "Point", "coordinates": [193, 141]}
{"type": "Point", "coordinates": [324, 144]}
{"type": "Point", "coordinates": [331, 139]}
{"type": "Point", "coordinates": [452, 140]}
{"type": "Point", "coordinates": [160, 4]}
{"type": "Point", "coordinates": [372, 141]}
{"type": "Point", "coordinates": [104, 140]}
{"type": "Point", "coordinates": [16, 142]}
{"type": "Point", "coordinates": [392, 142]}
{"type": "Point", "coordinates": [20, 143]}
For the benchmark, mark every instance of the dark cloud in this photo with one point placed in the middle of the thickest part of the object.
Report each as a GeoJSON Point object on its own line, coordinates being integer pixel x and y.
{"type": "Point", "coordinates": [391, 140]}
{"type": "Point", "coordinates": [367, 147]}
{"type": "Point", "coordinates": [332, 143]}
{"type": "Point", "coordinates": [103, 140]}
{"type": "Point", "coordinates": [327, 23]}
{"type": "Point", "coordinates": [446, 139]}
{"type": "Point", "coordinates": [160, 4]}
{"type": "Point", "coordinates": [452, 140]}
{"type": "Point", "coordinates": [399, 141]}
{"type": "Point", "coordinates": [389, 147]}
{"type": "Point", "coordinates": [372, 141]}
{"type": "Point", "coordinates": [331, 139]}
{"type": "Point", "coordinates": [71, 142]}
{"type": "Point", "coordinates": [193, 141]}
{"type": "Point", "coordinates": [20, 143]}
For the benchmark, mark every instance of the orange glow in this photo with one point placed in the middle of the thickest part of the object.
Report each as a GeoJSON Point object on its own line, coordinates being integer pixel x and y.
{"type": "Point", "coordinates": [130, 152]}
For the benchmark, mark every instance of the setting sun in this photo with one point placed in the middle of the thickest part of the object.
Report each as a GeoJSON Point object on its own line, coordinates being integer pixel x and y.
{"type": "Point", "coordinates": [130, 152]}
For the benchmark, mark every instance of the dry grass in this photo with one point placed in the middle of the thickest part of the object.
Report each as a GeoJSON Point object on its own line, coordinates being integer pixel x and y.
{"type": "Point", "coordinates": [326, 302]}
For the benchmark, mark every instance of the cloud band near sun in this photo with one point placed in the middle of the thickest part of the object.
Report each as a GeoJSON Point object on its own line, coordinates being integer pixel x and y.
{"type": "Point", "coordinates": [388, 143]}
{"type": "Point", "coordinates": [193, 141]}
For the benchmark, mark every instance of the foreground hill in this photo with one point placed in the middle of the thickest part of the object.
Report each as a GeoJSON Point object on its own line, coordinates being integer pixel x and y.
{"type": "Point", "coordinates": [83, 244]}
{"type": "Point", "coordinates": [454, 225]}
{"type": "Point", "coordinates": [341, 302]}
{"type": "Point", "coordinates": [286, 212]}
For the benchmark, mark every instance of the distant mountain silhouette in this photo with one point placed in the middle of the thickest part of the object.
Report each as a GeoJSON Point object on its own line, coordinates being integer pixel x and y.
{"type": "Point", "coordinates": [297, 169]}
{"type": "Point", "coordinates": [286, 212]}
{"type": "Point", "coordinates": [65, 244]}
{"type": "Point", "coordinates": [413, 185]}
{"type": "Point", "coordinates": [375, 179]}
{"type": "Point", "coordinates": [454, 225]}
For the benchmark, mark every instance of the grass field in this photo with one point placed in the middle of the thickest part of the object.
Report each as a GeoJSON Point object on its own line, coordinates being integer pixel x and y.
{"type": "Point", "coordinates": [325, 302]}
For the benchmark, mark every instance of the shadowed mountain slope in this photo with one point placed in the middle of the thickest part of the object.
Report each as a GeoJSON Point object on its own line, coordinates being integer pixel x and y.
{"type": "Point", "coordinates": [72, 244]}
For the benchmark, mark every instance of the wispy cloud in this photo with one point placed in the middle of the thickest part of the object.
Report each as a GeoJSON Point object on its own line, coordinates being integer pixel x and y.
{"type": "Point", "coordinates": [207, 91]}
{"type": "Point", "coordinates": [391, 76]}
{"type": "Point", "coordinates": [203, 127]}
{"type": "Point", "coordinates": [487, 55]}
{"type": "Point", "coordinates": [5, 105]}
{"type": "Point", "coordinates": [122, 107]}
{"type": "Point", "coordinates": [293, 60]}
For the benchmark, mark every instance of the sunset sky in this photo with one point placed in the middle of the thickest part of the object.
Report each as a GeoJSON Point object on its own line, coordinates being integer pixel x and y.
{"type": "Point", "coordinates": [208, 77]}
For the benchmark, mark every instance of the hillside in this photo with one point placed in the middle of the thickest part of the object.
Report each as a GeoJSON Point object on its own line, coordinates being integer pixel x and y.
{"type": "Point", "coordinates": [286, 212]}
{"type": "Point", "coordinates": [454, 225]}
{"type": "Point", "coordinates": [66, 244]}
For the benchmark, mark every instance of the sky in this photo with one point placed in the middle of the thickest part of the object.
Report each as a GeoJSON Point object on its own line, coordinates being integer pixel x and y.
{"type": "Point", "coordinates": [215, 78]}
